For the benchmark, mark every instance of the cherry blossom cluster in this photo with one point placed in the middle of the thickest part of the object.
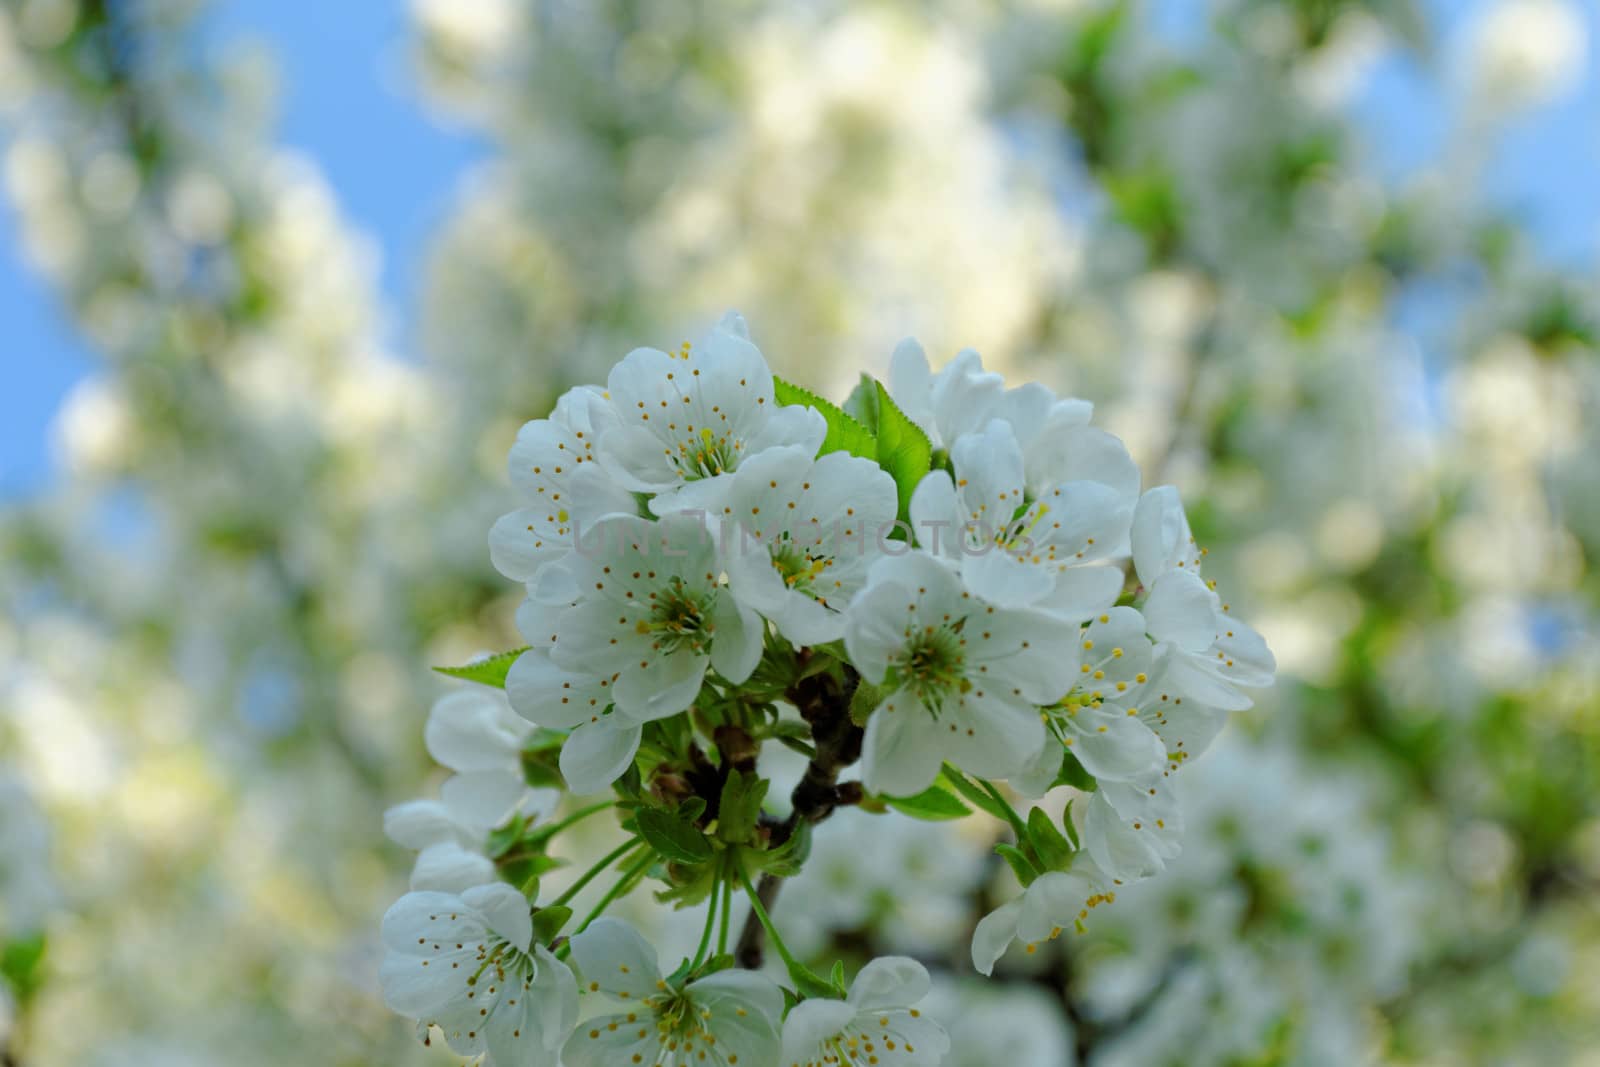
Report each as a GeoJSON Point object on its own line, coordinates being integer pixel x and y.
{"type": "Point", "coordinates": [944, 593]}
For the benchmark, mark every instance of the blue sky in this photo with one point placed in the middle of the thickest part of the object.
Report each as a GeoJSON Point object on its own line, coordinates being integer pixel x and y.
{"type": "Point", "coordinates": [346, 103]}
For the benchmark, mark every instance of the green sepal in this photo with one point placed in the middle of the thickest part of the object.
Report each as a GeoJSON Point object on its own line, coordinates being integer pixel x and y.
{"type": "Point", "coordinates": [1073, 774]}
{"type": "Point", "coordinates": [1066, 824]}
{"type": "Point", "coordinates": [524, 872]}
{"type": "Point", "coordinates": [933, 804]}
{"type": "Point", "coordinates": [490, 671]}
{"type": "Point", "coordinates": [548, 922]}
{"type": "Point", "coordinates": [541, 768]}
{"type": "Point", "coordinates": [865, 700]}
{"type": "Point", "coordinates": [1047, 843]}
{"type": "Point", "coordinates": [845, 434]}
{"type": "Point", "coordinates": [1020, 864]}
{"type": "Point", "coordinates": [501, 841]}
{"type": "Point", "coordinates": [786, 860]}
{"type": "Point", "coordinates": [836, 976]}
{"type": "Point", "coordinates": [739, 811]}
{"type": "Point", "coordinates": [975, 796]}
{"type": "Point", "coordinates": [903, 449]}
{"type": "Point", "coordinates": [808, 984]}
{"type": "Point", "coordinates": [672, 837]}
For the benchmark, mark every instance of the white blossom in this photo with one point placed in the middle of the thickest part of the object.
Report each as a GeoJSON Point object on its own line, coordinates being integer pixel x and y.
{"type": "Point", "coordinates": [651, 612]}
{"type": "Point", "coordinates": [724, 1019]}
{"type": "Point", "coordinates": [467, 964]}
{"type": "Point", "coordinates": [474, 733]}
{"type": "Point", "coordinates": [553, 467]}
{"type": "Point", "coordinates": [1056, 902]}
{"type": "Point", "coordinates": [798, 536]}
{"type": "Point", "coordinates": [877, 1022]}
{"type": "Point", "coordinates": [964, 678]}
{"type": "Point", "coordinates": [602, 741]}
{"type": "Point", "coordinates": [1018, 546]}
{"type": "Point", "coordinates": [691, 417]}
{"type": "Point", "coordinates": [1207, 654]}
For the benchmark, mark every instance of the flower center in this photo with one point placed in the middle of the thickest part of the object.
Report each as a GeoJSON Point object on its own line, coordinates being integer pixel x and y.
{"type": "Point", "coordinates": [680, 617]}
{"type": "Point", "coordinates": [798, 567]}
{"type": "Point", "coordinates": [706, 455]}
{"type": "Point", "coordinates": [931, 665]}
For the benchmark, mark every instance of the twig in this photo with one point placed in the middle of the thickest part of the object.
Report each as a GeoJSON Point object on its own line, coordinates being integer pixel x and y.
{"type": "Point", "coordinates": [823, 701]}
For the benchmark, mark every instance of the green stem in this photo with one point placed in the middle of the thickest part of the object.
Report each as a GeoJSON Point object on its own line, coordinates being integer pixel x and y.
{"type": "Point", "coordinates": [727, 911]}
{"type": "Point", "coordinates": [576, 817]}
{"type": "Point", "coordinates": [594, 872]}
{"type": "Point", "coordinates": [705, 935]}
{"type": "Point", "coordinates": [766, 922]}
{"type": "Point", "coordinates": [1020, 827]}
{"type": "Point", "coordinates": [645, 860]}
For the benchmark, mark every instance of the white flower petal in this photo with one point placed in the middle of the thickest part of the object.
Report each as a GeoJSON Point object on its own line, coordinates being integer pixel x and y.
{"type": "Point", "coordinates": [474, 729]}
{"type": "Point", "coordinates": [613, 959]}
{"type": "Point", "coordinates": [889, 982]}
{"type": "Point", "coordinates": [1181, 610]}
{"type": "Point", "coordinates": [483, 799]}
{"type": "Point", "coordinates": [506, 910]}
{"type": "Point", "coordinates": [994, 935]}
{"type": "Point", "coordinates": [416, 824]}
{"type": "Point", "coordinates": [1161, 537]}
{"type": "Point", "coordinates": [810, 1023]}
{"type": "Point", "coordinates": [598, 753]}
{"type": "Point", "coordinates": [448, 867]}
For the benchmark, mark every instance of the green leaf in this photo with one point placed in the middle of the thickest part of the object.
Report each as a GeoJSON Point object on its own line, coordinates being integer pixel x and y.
{"type": "Point", "coordinates": [1020, 865]}
{"type": "Point", "coordinates": [740, 808]}
{"type": "Point", "coordinates": [22, 965]}
{"type": "Point", "coordinates": [1047, 843]}
{"type": "Point", "coordinates": [547, 923]}
{"type": "Point", "coordinates": [836, 977]}
{"type": "Point", "coordinates": [672, 837]}
{"type": "Point", "coordinates": [491, 670]}
{"type": "Point", "coordinates": [845, 434]}
{"type": "Point", "coordinates": [862, 403]}
{"type": "Point", "coordinates": [903, 449]}
{"type": "Point", "coordinates": [932, 804]}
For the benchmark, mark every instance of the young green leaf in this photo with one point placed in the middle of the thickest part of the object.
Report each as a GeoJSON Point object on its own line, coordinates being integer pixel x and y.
{"type": "Point", "coordinates": [845, 434]}
{"type": "Point", "coordinates": [491, 670]}
{"type": "Point", "coordinates": [862, 403]}
{"type": "Point", "coordinates": [672, 837]}
{"type": "Point", "coordinates": [1048, 843]}
{"type": "Point", "coordinates": [933, 804]}
{"type": "Point", "coordinates": [740, 807]}
{"type": "Point", "coordinates": [903, 449]}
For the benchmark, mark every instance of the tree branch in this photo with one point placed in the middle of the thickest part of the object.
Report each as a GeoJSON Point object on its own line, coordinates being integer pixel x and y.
{"type": "Point", "coordinates": [823, 701]}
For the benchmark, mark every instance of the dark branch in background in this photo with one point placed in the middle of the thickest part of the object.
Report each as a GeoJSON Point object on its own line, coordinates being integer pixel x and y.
{"type": "Point", "coordinates": [823, 701]}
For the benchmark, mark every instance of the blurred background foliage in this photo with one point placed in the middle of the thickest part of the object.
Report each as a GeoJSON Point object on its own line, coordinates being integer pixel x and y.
{"type": "Point", "coordinates": [1378, 391]}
